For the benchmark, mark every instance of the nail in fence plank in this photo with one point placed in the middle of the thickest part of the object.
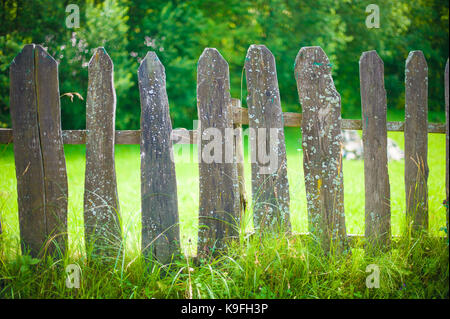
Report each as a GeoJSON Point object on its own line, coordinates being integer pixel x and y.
{"type": "Point", "coordinates": [447, 112]}
{"type": "Point", "coordinates": [219, 189]}
{"type": "Point", "coordinates": [416, 140]}
{"type": "Point", "coordinates": [159, 206]}
{"type": "Point", "coordinates": [52, 147]}
{"type": "Point", "coordinates": [101, 205]}
{"type": "Point", "coordinates": [27, 151]}
{"type": "Point", "coordinates": [270, 186]}
{"type": "Point", "coordinates": [376, 178]}
{"type": "Point", "coordinates": [321, 142]}
{"type": "Point", "coordinates": [239, 153]}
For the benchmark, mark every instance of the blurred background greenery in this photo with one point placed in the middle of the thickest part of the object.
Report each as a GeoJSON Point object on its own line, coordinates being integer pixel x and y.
{"type": "Point", "coordinates": [179, 31]}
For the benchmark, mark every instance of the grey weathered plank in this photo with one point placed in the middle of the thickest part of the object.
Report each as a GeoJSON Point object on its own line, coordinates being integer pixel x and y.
{"type": "Point", "coordinates": [416, 140]}
{"type": "Point", "coordinates": [270, 186]}
{"type": "Point", "coordinates": [291, 119]}
{"type": "Point", "coordinates": [321, 140]}
{"type": "Point", "coordinates": [447, 121]}
{"type": "Point", "coordinates": [239, 153]}
{"type": "Point", "coordinates": [52, 147]}
{"type": "Point", "coordinates": [159, 206]}
{"type": "Point", "coordinates": [101, 204]}
{"type": "Point", "coordinates": [219, 190]}
{"type": "Point", "coordinates": [376, 178]}
{"type": "Point", "coordinates": [27, 151]}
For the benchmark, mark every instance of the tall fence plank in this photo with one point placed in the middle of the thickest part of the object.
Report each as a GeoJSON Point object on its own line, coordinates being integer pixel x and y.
{"type": "Point", "coordinates": [52, 147]}
{"type": "Point", "coordinates": [416, 140]}
{"type": "Point", "coordinates": [219, 189]}
{"type": "Point", "coordinates": [321, 141]}
{"type": "Point", "coordinates": [447, 120]}
{"type": "Point", "coordinates": [159, 206]}
{"type": "Point", "coordinates": [270, 186]}
{"type": "Point", "coordinates": [101, 205]}
{"type": "Point", "coordinates": [27, 151]}
{"type": "Point", "coordinates": [376, 178]}
{"type": "Point", "coordinates": [39, 153]}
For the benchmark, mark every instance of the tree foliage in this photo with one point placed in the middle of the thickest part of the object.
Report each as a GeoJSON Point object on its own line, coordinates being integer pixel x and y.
{"type": "Point", "coordinates": [178, 31]}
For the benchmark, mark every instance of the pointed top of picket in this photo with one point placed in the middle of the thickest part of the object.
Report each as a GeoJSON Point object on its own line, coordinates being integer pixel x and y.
{"type": "Point", "coordinates": [27, 52]}
{"type": "Point", "coordinates": [26, 48]}
{"type": "Point", "coordinates": [101, 57]}
{"type": "Point", "coordinates": [312, 60]}
{"type": "Point", "coordinates": [312, 66]}
{"type": "Point", "coordinates": [212, 60]}
{"type": "Point", "coordinates": [371, 56]}
{"type": "Point", "coordinates": [259, 57]}
{"type": "Point", "coordinates": [43, 54]}
{"type": "Point", "coordinates": [417, 58]}
{"type": "Point", "coordinates": [210, 52]}
{"type": "Point", "coordinates": [258, 48]}
{"type": "Point", "coordinates": [152, 63]}
{"type": "Point", "coordinates": [315, 51]}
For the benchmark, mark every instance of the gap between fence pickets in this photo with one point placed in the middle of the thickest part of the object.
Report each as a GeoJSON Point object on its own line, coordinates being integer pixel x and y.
{"type": "Point", "coordinates": [240, 115]}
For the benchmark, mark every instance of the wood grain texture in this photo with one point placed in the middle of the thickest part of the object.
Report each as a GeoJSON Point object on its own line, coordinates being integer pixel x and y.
{"type": "Point", "coordinates": [159, 206]}
{"type": "Point", "coordinates": [101, 204]}
{"type": "Point", "coordinates": [28, 152]}
{"type": "Point", "coordinates": [416, 140]}
{"type": "Point", "coordinates": [321, 143]}
{"type": "Point", "coordinates": [52, 146]}
{"type": "Point", "coordinates": [376, 178]}
{"type": "Point", "coordinates": [270, 186]}
{"type": "Point", "coordinates": [219, 189]}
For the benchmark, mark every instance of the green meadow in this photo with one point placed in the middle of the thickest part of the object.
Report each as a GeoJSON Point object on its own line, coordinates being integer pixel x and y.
{"type": "Point", "coordinates": [128, 182]}
{"type": "Point", "coordinates": [250, 268]}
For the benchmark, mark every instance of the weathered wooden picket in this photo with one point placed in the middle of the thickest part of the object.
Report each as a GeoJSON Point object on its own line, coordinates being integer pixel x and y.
{"type": "Point", "coordinates": [321, 140]}
{"type": "Point", "coordinates": [376, 178]}
{"type": "Point", "coordinates": [41, 172]}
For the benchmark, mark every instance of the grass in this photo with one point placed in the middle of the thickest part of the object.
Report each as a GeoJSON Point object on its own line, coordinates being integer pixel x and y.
{"type": "Point", "coordinates": [268, 267]}
{"type": "Point", "coordinates": [275, 266]}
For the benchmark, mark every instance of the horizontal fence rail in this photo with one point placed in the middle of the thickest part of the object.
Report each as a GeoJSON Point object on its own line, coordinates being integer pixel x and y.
{"type": "Point", "coordinates": [240, 114]}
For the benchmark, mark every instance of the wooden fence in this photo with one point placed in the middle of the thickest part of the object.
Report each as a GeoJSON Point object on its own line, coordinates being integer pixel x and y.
{"type": "Point", "coordinates": [41, 172]}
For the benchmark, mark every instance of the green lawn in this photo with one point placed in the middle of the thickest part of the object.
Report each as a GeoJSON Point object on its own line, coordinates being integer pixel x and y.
{"type": "Point", "coordinates": [128, 180]}
{"type": "Point", "coordinates": [271, 266]}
